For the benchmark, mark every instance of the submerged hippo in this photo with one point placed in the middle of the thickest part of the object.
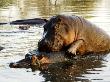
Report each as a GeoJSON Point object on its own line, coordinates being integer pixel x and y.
{"type": "Point", "coordinates": [74, 35]}
{"type": "Point", "coordinates": [57, 60]}
{"type": "Point", "coordinates": [40, 60]}
{"type": "Point", "coordinates": [71, 34]}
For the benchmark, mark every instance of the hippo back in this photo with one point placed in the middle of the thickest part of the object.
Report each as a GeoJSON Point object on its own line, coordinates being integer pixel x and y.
{"type": "Point", "coordinates": [96, 39]}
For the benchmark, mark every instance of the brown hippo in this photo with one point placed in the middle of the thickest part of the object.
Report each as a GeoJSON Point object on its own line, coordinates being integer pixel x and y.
{"type": "Point", "coordinates": [73, 34]}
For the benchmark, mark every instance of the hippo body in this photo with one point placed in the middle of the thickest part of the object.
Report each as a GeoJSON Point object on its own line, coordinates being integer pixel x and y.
{"type": "Point", "coordinates": [74, 35]}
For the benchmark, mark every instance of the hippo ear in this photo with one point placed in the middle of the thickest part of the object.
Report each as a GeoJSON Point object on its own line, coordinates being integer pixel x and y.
{"type": "Point", "coordinates": [59, 19]}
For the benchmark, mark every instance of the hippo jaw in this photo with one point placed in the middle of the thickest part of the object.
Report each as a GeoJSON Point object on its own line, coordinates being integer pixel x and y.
{"type": "Point", "coordinates": [36, 62]}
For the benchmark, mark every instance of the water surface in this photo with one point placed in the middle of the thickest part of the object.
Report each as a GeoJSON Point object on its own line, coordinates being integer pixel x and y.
{"type": "Point", "coordinates": [19, 42]}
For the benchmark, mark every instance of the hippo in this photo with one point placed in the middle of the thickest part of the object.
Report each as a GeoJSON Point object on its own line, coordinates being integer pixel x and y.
{"type": "Point", "coordinates": [73, 35]}
{"type": "Point", "coordinates": [34, 21]}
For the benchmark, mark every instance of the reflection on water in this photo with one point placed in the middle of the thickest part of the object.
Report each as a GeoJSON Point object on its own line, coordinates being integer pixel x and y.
{"type": "Point", "coordinates": [18, 42]}
{"type": "Point", "coordinates": [47, 8]}
{"type": "Point", "coordinates": [73, 70]}
{"type": "Point", "coordinates": [5, 3]}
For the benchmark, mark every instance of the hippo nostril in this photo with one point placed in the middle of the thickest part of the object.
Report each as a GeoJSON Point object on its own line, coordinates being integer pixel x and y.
{"type": "Point", "coordinates": [13, 65]}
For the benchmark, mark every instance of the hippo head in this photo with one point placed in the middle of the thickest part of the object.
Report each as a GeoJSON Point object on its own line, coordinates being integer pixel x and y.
{"type": "Point", "coordinates": [32, 61]}
{"type": "Point", "coordinates": [57, 34]}
{"type": "Point", "coordinates": [40, 61]}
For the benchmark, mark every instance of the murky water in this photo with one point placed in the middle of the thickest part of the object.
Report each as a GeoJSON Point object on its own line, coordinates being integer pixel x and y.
{"type": "Point", "coordinates": [19, 42]}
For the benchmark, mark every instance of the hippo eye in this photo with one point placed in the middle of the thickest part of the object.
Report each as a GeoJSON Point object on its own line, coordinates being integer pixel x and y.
{"type": "Point", "coordinates": [45, 28]}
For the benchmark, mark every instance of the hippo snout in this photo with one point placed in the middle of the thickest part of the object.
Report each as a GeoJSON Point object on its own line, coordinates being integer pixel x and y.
{"type": "Point", "coordinates": [24, 63]}
{"type": "Point", "coordinates": [43, 45]}
{"type": "Point", "coordinates": [14, 65]}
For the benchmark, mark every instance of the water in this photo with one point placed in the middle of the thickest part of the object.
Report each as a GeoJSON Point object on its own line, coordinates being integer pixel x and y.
{"type": "Point", "coordinates": [19, 42]}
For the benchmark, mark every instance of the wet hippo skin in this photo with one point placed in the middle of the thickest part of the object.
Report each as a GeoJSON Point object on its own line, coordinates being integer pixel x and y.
{"type": "Point", "coordinates": [71, 34]}
{"type": "Point", "coordinates": [39, 60]}
{"type": "Point", "coordinates": [74, 35]}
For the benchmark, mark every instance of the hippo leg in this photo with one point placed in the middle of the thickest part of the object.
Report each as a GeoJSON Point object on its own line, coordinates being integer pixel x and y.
{"type": "Point", "coordinates": [76, 46]}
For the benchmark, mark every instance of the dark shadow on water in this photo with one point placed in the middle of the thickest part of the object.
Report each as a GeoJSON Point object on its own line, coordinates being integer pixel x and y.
{"type": "Point", "coordinates": [64, 69]}
{"type": "Point", "coordinates": [68, 71]}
